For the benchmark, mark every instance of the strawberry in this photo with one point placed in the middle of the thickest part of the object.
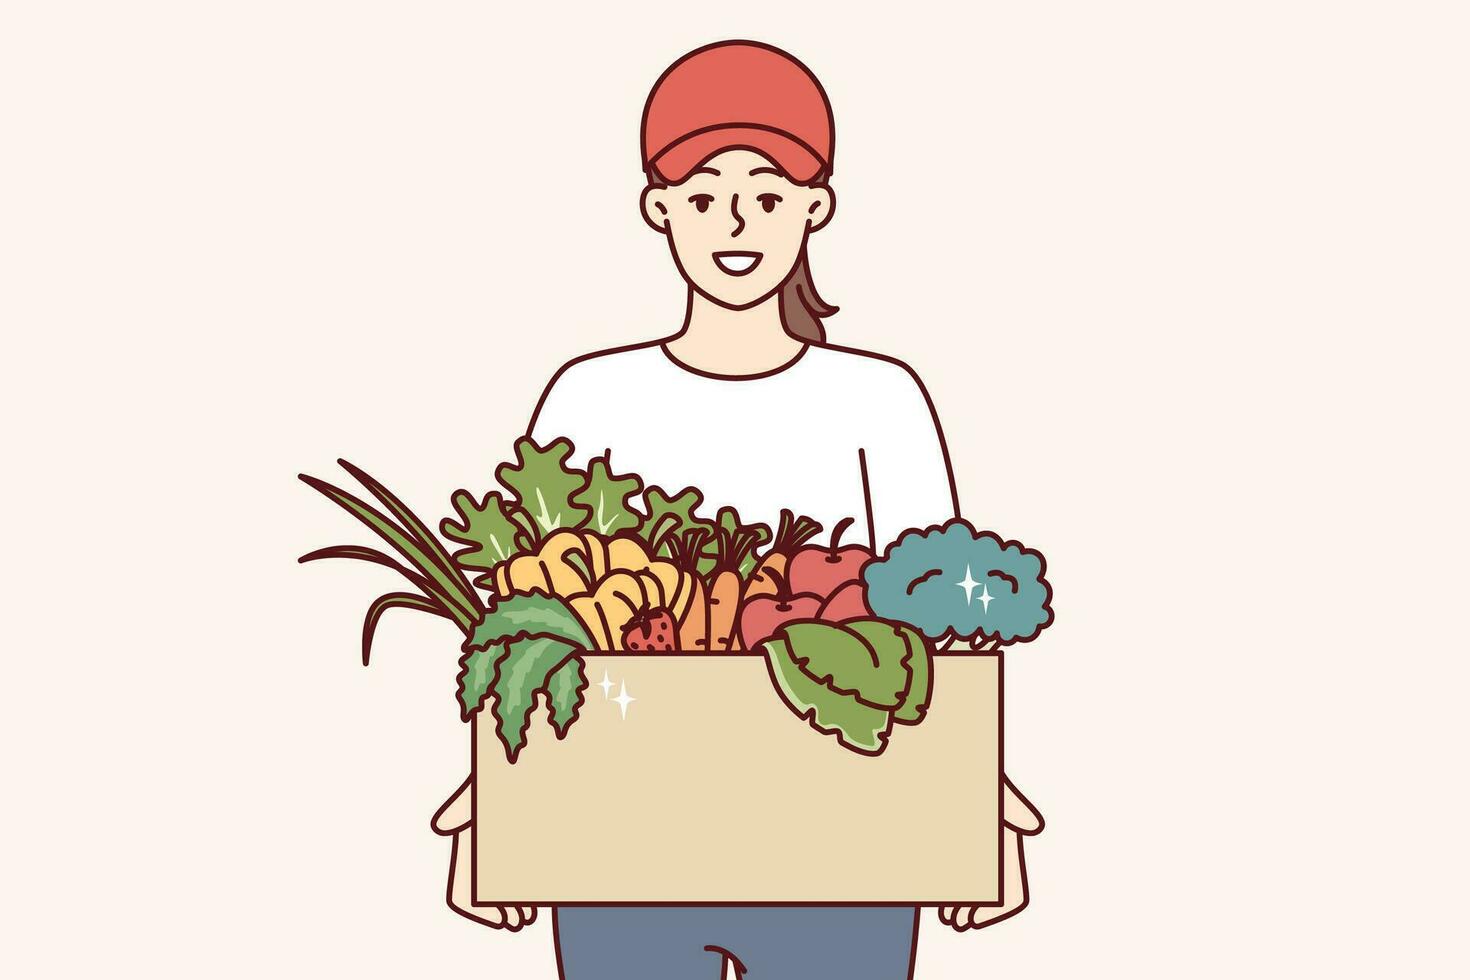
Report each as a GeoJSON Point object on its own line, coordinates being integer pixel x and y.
{"type": "Point", "coordinates": [651, 630]}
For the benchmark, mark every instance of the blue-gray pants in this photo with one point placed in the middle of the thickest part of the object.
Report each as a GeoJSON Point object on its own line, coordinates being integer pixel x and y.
{"type": "Point", "coordinates": [768, 942]}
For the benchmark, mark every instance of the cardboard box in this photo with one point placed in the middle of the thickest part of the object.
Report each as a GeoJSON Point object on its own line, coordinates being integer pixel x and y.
{"type": "Point", "coordinates": [712, 791]}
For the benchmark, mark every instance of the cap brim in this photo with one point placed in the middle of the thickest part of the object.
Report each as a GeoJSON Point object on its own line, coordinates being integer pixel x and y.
{"type": "Point", "coordinates": [791, 155]}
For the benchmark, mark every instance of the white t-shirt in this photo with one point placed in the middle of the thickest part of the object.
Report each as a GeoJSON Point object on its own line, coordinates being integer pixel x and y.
{"type": "Point", "coordinates": [835, 433]}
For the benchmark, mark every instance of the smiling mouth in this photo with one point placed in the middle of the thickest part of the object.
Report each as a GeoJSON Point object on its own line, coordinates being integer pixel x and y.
{"type": "Point", "coordinates": [737, 263]}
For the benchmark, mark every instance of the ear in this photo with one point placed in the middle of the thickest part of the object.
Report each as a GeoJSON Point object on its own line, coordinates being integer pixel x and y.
{"type": "Point", "coordinates": [821, 206]}
{"type": "Point", "coordinates": [656, 208]}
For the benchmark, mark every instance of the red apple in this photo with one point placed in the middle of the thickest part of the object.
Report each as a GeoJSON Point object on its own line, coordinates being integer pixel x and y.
{"type": "Point", "coordinates": [762, 616]}
{"type": "Point", "coordinates": [822, 571]}
{"type": "Point", "coordinates": [848, 602]}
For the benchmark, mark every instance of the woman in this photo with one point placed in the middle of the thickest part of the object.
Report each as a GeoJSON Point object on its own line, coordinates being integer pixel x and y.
{"type": "Point", "coordinates": [748, 402]}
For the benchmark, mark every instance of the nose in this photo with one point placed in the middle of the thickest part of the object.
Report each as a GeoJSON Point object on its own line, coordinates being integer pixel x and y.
{"type": "Point", "coordinates": [735, 213]}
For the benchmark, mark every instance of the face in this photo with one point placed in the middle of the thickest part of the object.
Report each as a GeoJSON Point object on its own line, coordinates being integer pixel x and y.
{"type": "Point", "coordinates": [736, 226]}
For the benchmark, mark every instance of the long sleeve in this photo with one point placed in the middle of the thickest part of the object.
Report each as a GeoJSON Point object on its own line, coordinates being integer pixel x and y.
{"type": "Point", "coordinates": [907, 474]}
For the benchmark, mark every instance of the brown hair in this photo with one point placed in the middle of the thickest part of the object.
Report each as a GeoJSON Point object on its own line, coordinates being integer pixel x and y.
{"type": "Point", "coordinates": [802, 309]}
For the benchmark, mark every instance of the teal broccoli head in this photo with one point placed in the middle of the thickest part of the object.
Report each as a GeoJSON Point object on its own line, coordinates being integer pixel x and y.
{"type": "Point", "coordinates": [952, 579]}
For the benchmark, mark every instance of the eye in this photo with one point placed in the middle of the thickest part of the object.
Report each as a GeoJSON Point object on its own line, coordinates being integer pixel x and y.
{"type": "Point", "coordinates": [769, 201]}
{"type": "Point", "coordinates": [702, 202]}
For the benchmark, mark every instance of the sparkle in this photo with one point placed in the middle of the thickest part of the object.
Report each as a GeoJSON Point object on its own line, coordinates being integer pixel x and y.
{"type": "Point", "coordinates": [968, 583]}
{"type": "Point", "coordinates": [623, 700]}
{"type": "Point", "coordinates": [607, 685]}
{"type": "Point", "coordinates": [985, 597]}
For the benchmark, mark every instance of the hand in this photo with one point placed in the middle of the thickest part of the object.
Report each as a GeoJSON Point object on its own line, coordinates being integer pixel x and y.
{"type": "Point", "coordinates": [1021, 818]}
{"type": "Point", "coordinates": [453, 820]}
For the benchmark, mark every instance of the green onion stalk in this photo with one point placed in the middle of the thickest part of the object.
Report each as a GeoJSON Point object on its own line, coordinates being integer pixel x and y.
{"type": "Point", "coordinates": [442, 588]}
{"type": "Point", "coordinates": [516, 646]}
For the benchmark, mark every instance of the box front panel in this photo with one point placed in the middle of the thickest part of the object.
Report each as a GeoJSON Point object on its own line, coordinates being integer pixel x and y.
{"type": "Point", "coordinates": [690, 781]}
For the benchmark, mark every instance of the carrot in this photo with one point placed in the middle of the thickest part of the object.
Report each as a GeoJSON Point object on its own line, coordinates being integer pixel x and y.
{"type": "Point", "coordinates": [724, 601]}
{"type": "Point", "coordinates": [791, 533]}
{"type": "Point", "coordinates": [694, 624]}
{"type": "Point", "coordinates": [725, 588]}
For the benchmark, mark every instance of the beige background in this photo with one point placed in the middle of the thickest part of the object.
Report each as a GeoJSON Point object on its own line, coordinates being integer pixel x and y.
{"type": "Point", "coordinates": [1187, 282]}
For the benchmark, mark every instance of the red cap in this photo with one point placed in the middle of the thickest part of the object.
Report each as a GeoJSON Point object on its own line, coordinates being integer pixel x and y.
{"type": "Point", "coordinates": [737, 93]}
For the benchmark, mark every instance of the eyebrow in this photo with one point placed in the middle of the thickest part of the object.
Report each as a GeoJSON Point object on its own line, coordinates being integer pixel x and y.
{"type": "Point", "coordinates": [766, 170]}
{"type": "Point", "coordinates": [705, 170]}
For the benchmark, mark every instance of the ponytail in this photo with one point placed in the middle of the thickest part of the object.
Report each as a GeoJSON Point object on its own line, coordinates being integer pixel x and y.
{"type": "Point", "coordinates": [802, 310]}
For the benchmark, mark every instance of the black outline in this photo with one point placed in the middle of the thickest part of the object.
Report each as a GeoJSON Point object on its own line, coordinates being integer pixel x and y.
{"type": "Point", "coordinates": [915, 583]}
{"type": "Point", "coordinates": [727, 957]}
{"type": "Point", "coordinates": [1005, 577]}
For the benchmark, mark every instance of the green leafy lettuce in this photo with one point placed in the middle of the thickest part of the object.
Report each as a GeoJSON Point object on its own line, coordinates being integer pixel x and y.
{"type": "Point", "coordinates": [852, 680]}
{"type": "Point", "coordinates": [670, 516]}
{"type": "Point", "coordinates": [520, 674]}
{"type": "Point", "coordinates": [544, 485]}
{"type": "Point", "coordinates": [488, 532]}
{"type": "Point", "coordinates": [606, 497]}
{"type": "Point", "coordinates": [565, 692]}
{"type": "Point", "coordinates": [857, 726]}
{"type": "Point", "coordinates": [525, 645]}
{"type": "Point", "coordinates": [532, 612]}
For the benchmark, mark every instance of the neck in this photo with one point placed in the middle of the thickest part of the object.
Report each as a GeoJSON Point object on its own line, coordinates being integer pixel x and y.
{"type": "Point", "coordinates": [720, 340]}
